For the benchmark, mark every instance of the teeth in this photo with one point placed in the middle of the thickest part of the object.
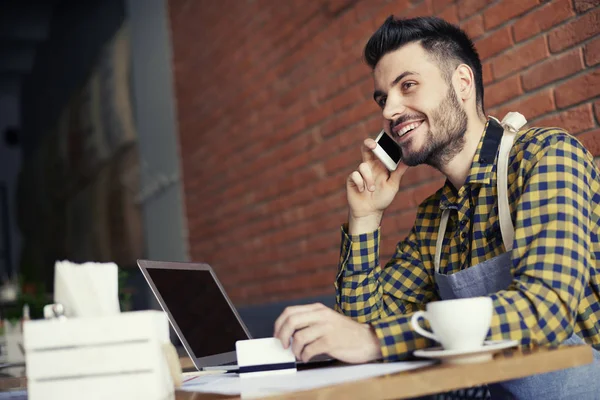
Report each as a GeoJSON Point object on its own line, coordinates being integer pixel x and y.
{"type": "Point", "coordinates": [407, 128]}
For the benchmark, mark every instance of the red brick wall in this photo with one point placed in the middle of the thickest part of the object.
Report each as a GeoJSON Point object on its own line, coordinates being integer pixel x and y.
{"type": "Point", "coordinates": [273, 102]}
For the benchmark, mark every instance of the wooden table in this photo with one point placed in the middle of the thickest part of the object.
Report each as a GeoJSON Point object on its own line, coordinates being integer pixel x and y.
{"type": "Point", "coordinates": [434, 379]}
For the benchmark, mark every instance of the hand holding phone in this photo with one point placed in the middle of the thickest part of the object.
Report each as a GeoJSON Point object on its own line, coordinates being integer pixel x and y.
{"type": "Point", "coordinates": [371, 188]}
{"type": "Point", "coordinates": [387, 151]}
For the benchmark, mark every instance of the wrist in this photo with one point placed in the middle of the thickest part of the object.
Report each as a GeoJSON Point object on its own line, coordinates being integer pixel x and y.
{"type": "Point", "coordinates": [364, 224]}
{"type": "Point", "coordinates": [374, 345]}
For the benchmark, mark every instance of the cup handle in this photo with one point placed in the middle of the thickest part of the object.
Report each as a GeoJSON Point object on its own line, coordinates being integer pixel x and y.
{"type": "Point", "coordinates": [414, 321]}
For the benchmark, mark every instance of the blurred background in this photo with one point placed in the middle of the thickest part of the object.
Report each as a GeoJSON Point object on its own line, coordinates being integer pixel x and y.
{"type": "Point", "coordinates": [223, 131]}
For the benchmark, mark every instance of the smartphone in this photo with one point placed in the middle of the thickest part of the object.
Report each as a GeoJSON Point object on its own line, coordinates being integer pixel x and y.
{"type": "Point", "coordinates": [387, 150]}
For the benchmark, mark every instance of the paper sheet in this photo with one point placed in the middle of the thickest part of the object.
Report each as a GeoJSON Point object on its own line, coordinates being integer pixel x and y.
{"type": "Point", "coordinates": [232, 384]}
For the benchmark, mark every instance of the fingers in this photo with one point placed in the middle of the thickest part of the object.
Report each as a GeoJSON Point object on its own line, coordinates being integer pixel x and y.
{"type": "Point", "coordinates": [398, 173]}
{"type": "Point", "coordinates": [318, 346]}
{"type": "Point", "coordinates": [306, 336]}
{"type": "Point", "coordinates": [294, 318]}
{"type": "Point", "coordinates": [362, 178]}
{"type": "Point", "coordinates": [297, 322]}
{"type": "Point", "coordinates": [367, 175]}
{"type": "Point", "coordinates": [356, 179]}
{"type": "Point", "coordinates": [294, 310]}
{"type": "Point", "coordinates": [367, 150]}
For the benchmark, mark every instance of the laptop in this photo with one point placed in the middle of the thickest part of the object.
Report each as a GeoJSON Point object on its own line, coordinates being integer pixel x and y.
{"type": "Point", "coordinates": [199, 310]}
{"type": "Point", "coordinates": [201, 314]}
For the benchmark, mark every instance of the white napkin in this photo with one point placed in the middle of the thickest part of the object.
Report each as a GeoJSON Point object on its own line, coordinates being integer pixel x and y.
{"type": "Point", "coordinates": [87, 290]}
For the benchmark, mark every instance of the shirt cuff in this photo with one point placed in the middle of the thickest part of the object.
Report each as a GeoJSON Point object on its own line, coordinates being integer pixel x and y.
{"type": "Point", "coordinates": [397, 337]}
{"type": "Point", "coordinates": [359, 253]}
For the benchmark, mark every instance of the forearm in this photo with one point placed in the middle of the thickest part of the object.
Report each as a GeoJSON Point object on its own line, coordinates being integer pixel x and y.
{"type": "Point", "coordinates": [395, 335]}
{"type": "Point", "coordinates": [529, 319]}
{"type": "Point", "coordinates": [358, 290]}
{"type": "Point", "coordinates": [539, 306]}
{"type": "Point", "coordinates": [397, 338]}
{"type": "Point", "coordinates": [385, 297]}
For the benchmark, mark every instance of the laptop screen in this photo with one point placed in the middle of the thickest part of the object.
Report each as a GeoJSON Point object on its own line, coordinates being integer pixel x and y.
{"type": "Point", "coordinates": [200, 310]}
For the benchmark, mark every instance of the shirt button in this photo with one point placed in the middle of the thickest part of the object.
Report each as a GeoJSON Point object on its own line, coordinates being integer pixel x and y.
{"type": "Point", "coordinates": [463, 222]}
{"type": "Point", "coordinates": [463, 248]}
{"type": "Point", "coordinates": [463, 235]}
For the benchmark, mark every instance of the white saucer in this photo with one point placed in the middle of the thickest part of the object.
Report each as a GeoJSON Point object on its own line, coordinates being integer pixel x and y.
{"type": "Point", "coordinates": [480, 354]}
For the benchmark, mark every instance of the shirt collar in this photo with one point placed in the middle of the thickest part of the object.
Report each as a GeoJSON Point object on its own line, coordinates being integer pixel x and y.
{"type": "Point", "coordinates": [482, 165]}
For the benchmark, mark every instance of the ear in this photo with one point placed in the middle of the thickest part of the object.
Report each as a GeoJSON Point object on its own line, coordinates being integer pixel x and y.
{"type": "Point", "coordinates": [464, 82]}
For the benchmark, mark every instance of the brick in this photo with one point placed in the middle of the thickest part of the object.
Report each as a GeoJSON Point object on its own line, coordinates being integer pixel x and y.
{"type": "Point", "coordinates": [395, 8]}
{"type": "Point", "coordinates": [426, 190]}
{"type": "Point", "coordinates": [582, 6]}
{"type": "Point", "coordinates": [520, 57]}
{"type": "Point", "coordinates": [450, 14]}
{"type": "Point", "coordinates": [532, 106]}
{"type": "Point", "coordinates": [494, 43]}
{"type": "Point", "coordinates": [358, 33]}
{"type": "Point", "coordinates": [405, 221]}
{"type": "Point", "coordinates": [505, 10]}
{"type": "Point", "coordinates": [474, 26]}
{"type": "Point", "coordinates": [486, 69]}
{"type": "Point", "coordinates": [542, 19]}
{"type": "Point", "coordinates": [576, 31]}
{"type": "Point", "coordinates": [553, 69]}
{"type": "Point", "coordinates": [503, 91]}
{"type": "Point", "coordinates": [439, 5]}
{"type": "Point", "coordinates": [408, 199]}
{"type": "Point", "coordinates": [574, 120]}
{"type": "Point", "coordinates": [365, 9]}
{"type": "Point", "coordinates": [597, 111]}
{"type": "Point", "coordinates": [343, 160]}
{"type": "Point", "coordinates": [359, 72]}
{"type": "Point", "coordinates": [319, 114]}
{"type": "Point", "coordinates": [346, 99]}
{"type": "Point", "coordinates": [578, 89]}
{"type": "Point", "coordinates": [338, 6]}
{"type": "Point", "coordinates": [591, 141]}
{"type": "Point", "coordinates": [422, 9]}
{"type": "Point", "coordinates": [466, 8]}
{"type": "Point", "coordinates": [592, 52]}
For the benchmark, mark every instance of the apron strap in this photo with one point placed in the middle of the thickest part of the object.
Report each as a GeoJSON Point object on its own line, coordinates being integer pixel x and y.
{"type": "Point", "coordinates": [440, 239]}
{"type": "Point", "coordinates": [512, 122]}
{"type": "Point", "coordinates": [506, 225]}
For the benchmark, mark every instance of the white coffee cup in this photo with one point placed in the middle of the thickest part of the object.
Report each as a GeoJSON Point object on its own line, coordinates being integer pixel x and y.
{"type": "Point", "coordinates": [460, 324]}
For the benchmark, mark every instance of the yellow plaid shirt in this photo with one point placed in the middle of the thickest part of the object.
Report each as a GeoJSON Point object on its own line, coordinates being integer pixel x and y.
{"type": "Point", "coordinates": [554, 196]}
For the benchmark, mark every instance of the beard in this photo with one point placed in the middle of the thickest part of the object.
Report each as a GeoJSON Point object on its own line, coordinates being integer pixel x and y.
{"type": "Point", "coordinates": [447, 140]}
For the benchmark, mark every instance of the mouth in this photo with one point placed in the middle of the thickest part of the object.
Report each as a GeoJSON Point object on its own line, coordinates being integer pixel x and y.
{"type": "Point", "coordinates": [408, 128]}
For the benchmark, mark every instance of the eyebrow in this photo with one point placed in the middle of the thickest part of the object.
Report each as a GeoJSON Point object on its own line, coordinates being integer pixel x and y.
{"type": "Point", "coordinates": [403, 75]}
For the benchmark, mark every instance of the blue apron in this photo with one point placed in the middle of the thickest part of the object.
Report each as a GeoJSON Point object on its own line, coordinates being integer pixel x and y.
{"type": "Point", "coordinates": [494, 275]}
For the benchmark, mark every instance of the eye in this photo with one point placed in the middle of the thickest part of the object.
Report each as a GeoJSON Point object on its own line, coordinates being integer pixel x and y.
{"type": "Point", "coordinates": [381, 101]}
{"type": "Point", "coordinates": [408, 85]}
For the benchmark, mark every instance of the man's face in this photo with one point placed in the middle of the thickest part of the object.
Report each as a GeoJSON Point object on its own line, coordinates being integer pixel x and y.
{"type": "Point", "coordinates": [420, 108]}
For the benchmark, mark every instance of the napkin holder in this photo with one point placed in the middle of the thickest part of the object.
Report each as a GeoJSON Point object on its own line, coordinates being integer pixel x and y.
{"type": "Point", "coordinates": [110, 357]}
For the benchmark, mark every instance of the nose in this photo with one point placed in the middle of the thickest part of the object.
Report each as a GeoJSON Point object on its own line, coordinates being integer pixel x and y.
{"type": "Point", "coordinates": [394, 107]}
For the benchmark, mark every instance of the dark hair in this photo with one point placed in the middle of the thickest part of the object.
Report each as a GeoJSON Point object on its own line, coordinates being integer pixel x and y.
{"type": "Point", "coordinates": [448, 44]}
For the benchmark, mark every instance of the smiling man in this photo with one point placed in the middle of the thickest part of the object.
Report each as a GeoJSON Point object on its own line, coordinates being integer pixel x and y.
{"type": "Point", "coordinates": [535, 257]}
